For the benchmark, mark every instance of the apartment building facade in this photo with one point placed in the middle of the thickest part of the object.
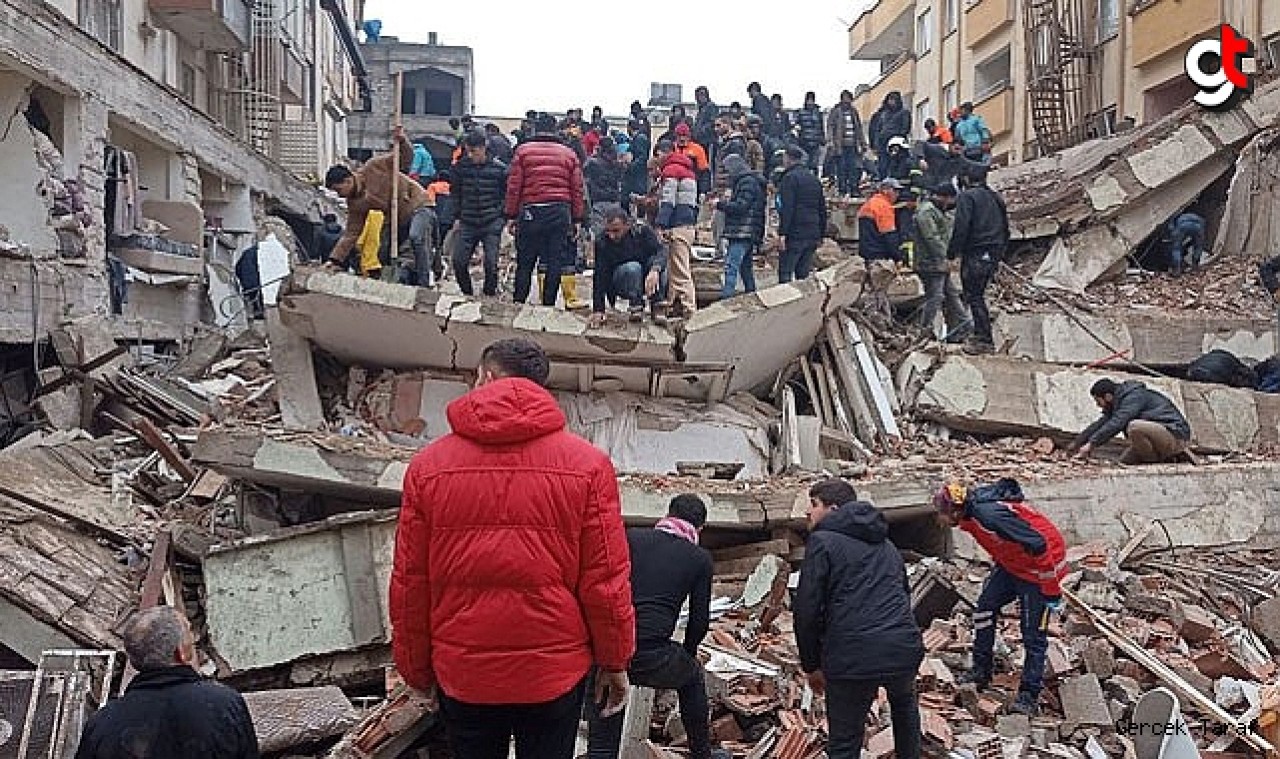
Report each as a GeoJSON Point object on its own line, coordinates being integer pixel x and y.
{"type": "Point", "coordinates": [208, 116]}
{"type": "Point", "coordinates": [1078, 68]}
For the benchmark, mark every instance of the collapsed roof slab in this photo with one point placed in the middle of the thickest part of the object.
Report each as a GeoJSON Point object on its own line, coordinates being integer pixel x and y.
{"type": "Point", "coordinates": [729, 346]}
{"type": "Point", "coordinates": [343, 468]}
{"type": "Point", "coordinates": [1209, 506]}
{"type": "Point", "coordinates": [995, 395]}
{"type": "Point", "coordinates": [1145, 337]}
{"type": "Point", "coordinates": [1105, 196]}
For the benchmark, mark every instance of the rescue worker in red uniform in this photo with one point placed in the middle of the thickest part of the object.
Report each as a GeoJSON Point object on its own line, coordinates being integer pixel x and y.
{"type": "Point", "coordinates": [1030, 558]}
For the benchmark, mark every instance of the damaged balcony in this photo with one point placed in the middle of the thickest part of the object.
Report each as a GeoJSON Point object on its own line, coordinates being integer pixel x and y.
{"type": "Point", "coordinates": [215, 25]}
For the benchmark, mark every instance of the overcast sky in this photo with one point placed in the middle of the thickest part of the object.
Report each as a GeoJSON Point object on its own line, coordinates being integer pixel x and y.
{"type": "Point", "coordinates": [553, 55]}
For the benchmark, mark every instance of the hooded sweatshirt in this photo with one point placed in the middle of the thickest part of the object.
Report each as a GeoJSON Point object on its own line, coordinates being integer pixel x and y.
{"type": "Point", "coordinates": [510, 523]}
{"type": "Point", "coordinates": [744, 211]}
{"type": "Point", "coordinates": [853, 616]}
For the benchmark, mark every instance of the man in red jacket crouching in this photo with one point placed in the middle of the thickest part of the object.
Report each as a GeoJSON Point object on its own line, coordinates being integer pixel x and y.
{"type": "Point", "coordinates": [512, 575]}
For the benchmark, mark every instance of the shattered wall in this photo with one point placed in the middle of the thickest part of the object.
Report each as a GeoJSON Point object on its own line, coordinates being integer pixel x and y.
{"type": "Point", "coordinates": [22, 210]}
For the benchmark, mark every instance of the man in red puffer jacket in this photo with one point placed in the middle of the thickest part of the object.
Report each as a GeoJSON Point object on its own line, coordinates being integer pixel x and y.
{"type": "Point", "coordinates": [545, 207]}
{"type": "Point", "coordinates": [511, 575]}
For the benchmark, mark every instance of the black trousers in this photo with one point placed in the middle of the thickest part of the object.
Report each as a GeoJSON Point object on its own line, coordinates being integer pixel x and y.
{"type": "Point", "coordinates": [541, 731]}
{"type": "Point", "coordinates": [542, 234]}
{"type": "Point", "coordinates": [848, 703]}
{"type": "Point", "coordinates": [977, 270]}
{"type": "Point", "coordinates": [665, 667]}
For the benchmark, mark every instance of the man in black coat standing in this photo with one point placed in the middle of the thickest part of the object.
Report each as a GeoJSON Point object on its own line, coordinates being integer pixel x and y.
{"type": "Point", "coordinates": [479, 188]}
{"type": "Point", "coordinates": [979, 239]}
{"type": "Point", "coordinates": [667, 567]}
{"type": "Point", "coordinates": [853, 621]}
{"type": "Point", "coordinates": [168, 711]}
{"type": "Point", "coordinates": [802, 219]}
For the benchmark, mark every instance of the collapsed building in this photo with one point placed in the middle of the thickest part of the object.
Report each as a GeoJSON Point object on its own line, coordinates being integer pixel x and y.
{"type": "Point", "coordinates": [252, 480]}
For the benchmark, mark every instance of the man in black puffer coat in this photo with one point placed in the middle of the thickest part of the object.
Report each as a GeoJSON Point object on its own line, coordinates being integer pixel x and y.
{"type": "Point", "coordinates": [744, 214]}
{"type": "Point", "coordinates": [168, 711]}
{"type": "Point", "coordinates": [812, 133]}
{"type": "Point", "coordinates": [802, 219]}
{"type": "Point", "coordinates": [853, 620]}
{"type": "Point", "coordinates": [478, 189]}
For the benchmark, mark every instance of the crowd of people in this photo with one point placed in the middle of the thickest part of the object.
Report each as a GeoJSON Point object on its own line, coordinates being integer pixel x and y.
{"type": "Point", "coordinates": [576, 192]}
{"type": "Point", "coordinates": [520, 605]}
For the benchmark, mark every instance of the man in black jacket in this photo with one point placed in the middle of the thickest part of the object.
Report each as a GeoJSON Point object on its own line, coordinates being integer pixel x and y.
{"type": "Point", "coordinates": [802, 218]}
{"type": "Point", "coordinates": [168, 711]}
{"type": "Point", "coordinates": [478, 188]}
{"type": "Point", "coordinates": [704, 124]}
{"type": "Point", "coordinates": [891, 120]}
{"type": "Point", "coordinates": [744, 220]}
{"type": "Point", "coordinates": [631, 263]}
{"type": "Point", "coordinates": [1154, 428]}
{"type": "Point", "coordinates": [667, 567]}
{"type": "Point", "coordinates": [979, 239]}
{"type": "Point", "coordinates": [853, 620]}
{"type": "Point", "coordinates": [812, 130]}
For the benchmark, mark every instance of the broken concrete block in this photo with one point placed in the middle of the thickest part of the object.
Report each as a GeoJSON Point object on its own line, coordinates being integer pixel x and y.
{"type": "Point", "coordinates": [1158, 606]}
{"type": "Point", "coordinates": [1198, 625]}
{"type": "Point", "coordinates": [1013, 725]}
{"type": "Point", "coordinates": [295, 372]}
{"type": "Point", "coordinates": [1124, 689]}
{"type": "Point", "coordinates": [283, 719]}
{"type": "Point", "coordinates": [1265, 621]}
{"type": "Point", "coordinates": [1083, 702]}
{"type": "Point", "coordinates": [1099, 658]}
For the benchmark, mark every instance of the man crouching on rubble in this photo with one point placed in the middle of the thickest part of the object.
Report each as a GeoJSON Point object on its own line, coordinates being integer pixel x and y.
{"type": "Point", "coordinates": [1154, 428]}
{"type": "Point", "coordinates": [168, 711]}
{"type": "Point", "coordinates": [1030, 558]}
{"type": "Point", "coordinates": [854, 625]}
{"type": "Point", "coordinates": [511, 572]}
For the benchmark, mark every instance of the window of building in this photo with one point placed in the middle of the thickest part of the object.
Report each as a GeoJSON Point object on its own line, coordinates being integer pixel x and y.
{"type": "Point", "coordinates": [102, 19]}
{"type": "Point", "coordinates": [1271, 51]}
{"type": "Point", "coordinates": [1108, 19]}
{"type": "Point", "coordinates": [924, 111]}
{"type": "Point", "coordinates": [438, 103]}
{"type": "Point", "coordinates": [950, 16]}
{"type": "Point", "coordinates": [409, 101]}
{"type": "Point", "coordinates": [924, 32]}
{"type": "Point", "coordinates": [187, 83]}
{"type": "Point", "coordinates": [949, 100]}
{"type": "Point", "coordinates": [992, 75]}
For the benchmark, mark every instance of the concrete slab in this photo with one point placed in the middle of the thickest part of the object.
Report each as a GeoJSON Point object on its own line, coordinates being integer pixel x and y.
{"type": "Point", "coordinates": [1153, 339]}
{"type": "Point", "coordinates": [730, 346]}
{"type": "Point", "coordinates": [283, 719]}
{"type": "Point", "coordinates": [997, 395]}
{"type": "Point", "coordinates": [295, 372]}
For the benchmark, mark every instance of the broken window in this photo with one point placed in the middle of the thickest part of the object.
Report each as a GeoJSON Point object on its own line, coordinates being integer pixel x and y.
{"type": "Point", "coordinates": [438, 103]}
{"type": "Point", "coordinates": [1108, 19]}
{"type": "Point", "coordinates": [992, 75]}
{"type": "Point", "coordinates": [924, 32]}
{"type": "Point", "coordinates": [102, 20]}
{"type": "Point", "coordinates": [409, 101]}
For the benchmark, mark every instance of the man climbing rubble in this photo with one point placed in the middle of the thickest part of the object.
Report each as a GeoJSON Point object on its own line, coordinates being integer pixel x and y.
{"type": "Point", "coordinates": [855, 629]}
{"type": "Point", "coordinates": [510, 576]}
{"type": "Point", "coordinates": [667, 568]}
{"type": "Point", "coordinates": [370, 188]}
{"type": "Point", "coordinates": [880, 245]}
{"type": "Point", "coordinates": [630, 263]}
{"type": "Point", "coordinates": [979, 238]}
{"type": "Point", "coordinates": [1030, 563]}
{"type": "Point", "coordinates": [1154, 428]}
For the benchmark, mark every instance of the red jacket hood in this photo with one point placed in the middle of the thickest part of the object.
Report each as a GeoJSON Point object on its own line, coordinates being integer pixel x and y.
{"type": "Point", "coordinates": [506, 411]}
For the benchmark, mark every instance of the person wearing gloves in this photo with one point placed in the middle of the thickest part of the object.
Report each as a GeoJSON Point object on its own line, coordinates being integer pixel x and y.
{"type": "Point", "coordinates": [1030, 563]}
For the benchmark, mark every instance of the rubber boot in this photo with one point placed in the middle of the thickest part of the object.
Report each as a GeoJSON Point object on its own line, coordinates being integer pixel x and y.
{"type": "Point", "coordinates": [569, 286]}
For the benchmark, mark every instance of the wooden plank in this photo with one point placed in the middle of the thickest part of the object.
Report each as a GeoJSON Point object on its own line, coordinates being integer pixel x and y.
{"type": "Point", "coordinates": [360, 574]}
{"type": "Point", "coordinates": [790, 431]}
{"type": "Point", "coordinates": [157, 568]}
{"type": "Point", "coordinates": [824, 395]}
{"type": "Point", "coordinates": [635, 727]}
{"type": "Point", "coordinates": [811, 387]}
{"type": "Point", "coordinates": [871, 381]}
{"type": "Point", "coordinates": [847, 372]}
{"type": "Point", "coordinates": [154, 438]}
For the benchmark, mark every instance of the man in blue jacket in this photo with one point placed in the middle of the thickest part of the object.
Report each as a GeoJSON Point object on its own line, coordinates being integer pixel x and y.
{"type": "Point", "coordinates": [853, 620]}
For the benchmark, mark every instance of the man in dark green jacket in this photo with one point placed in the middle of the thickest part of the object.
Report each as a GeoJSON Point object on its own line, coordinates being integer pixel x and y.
{"type": "Point", "coordinates": [932, 235]}
{"type": "Point", "coordinates": [1154, 428]}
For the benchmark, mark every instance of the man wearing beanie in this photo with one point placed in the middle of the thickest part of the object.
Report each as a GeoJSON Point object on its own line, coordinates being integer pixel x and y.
{"type": "Point", "coordinates": [1030, 562]}
{"type": "Point", "coordinates": [1154, 428]}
